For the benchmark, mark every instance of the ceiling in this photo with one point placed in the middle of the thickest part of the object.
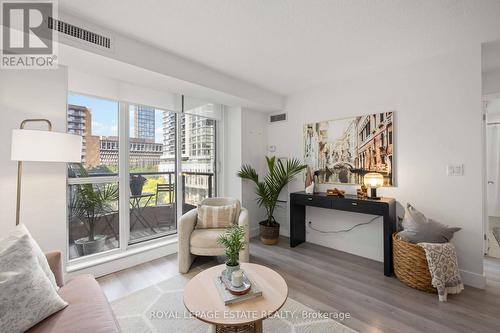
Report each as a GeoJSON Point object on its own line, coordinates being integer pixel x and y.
{"type": "Point", "coordinates": [287, 46]}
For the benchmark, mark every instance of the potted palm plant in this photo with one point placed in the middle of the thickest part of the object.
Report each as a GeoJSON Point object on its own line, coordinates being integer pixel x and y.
{"type": "Point", "coordinates": [233, 239]}
{"type": "Point", "coordinates": [89, 203]}
{"type": "Point", "coordinates": [268, 190]}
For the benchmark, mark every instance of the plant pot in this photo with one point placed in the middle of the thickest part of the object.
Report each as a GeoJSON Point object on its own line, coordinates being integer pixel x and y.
{"type": "Point", "coordinates": [230, 269]}
{"type": "Point", "coordinates": [269, 235]}
{"type": "Point", "coordinates": [136, 184]}
{"type": "Point", "coordinates": [85, 247]}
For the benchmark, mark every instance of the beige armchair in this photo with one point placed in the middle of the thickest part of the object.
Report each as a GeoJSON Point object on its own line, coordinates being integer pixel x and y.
{"type": "Point", "coordinates": [203, 242]}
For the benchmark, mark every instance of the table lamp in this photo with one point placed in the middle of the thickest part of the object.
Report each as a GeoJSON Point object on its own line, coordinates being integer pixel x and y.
{"type": "Point", "coordinates": [373, 180]}
{"type": "Point", "coordinates": [42, 146]}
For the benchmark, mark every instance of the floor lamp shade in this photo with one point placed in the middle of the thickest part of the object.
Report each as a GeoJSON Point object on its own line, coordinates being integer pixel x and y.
{"type": "Point", "coordinates": [45, 146]}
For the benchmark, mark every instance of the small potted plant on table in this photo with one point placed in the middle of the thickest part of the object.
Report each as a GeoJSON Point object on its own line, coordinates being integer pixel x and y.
{"type": "Point", "coordinates": [233, 239]}
{"type": "Point", "coordinates": [268, 191]}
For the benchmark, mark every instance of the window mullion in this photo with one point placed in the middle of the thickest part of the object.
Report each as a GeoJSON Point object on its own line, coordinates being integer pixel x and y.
{"type": "Point", "coordinates": [123, 162]}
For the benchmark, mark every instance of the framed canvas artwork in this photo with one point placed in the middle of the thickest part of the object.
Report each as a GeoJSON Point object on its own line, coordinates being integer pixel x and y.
{"type": "Point", "coordinates": [342, 151]}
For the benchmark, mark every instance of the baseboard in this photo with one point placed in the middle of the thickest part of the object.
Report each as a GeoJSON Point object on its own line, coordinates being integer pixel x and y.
{"type": "Point", "coordinates": [123, 262]}
{"type": "Point", "coordinates": [473, 279]}
{"type": "Point", "coordinates": [254, 232]}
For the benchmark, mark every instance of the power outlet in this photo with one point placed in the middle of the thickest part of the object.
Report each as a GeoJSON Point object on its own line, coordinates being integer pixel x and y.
{"type": "Point", "coordinates": [455, 169]}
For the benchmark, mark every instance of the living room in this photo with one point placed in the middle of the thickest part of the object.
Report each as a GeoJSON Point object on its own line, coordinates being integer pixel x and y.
{"type": "Point", "coordinates": [289, 166]}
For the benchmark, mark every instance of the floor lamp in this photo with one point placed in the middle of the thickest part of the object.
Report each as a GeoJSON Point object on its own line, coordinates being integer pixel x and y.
{"type": "Point", "coordinates": [42, 146]}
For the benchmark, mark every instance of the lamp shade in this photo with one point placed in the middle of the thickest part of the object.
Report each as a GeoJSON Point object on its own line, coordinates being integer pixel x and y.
{"type": "Point", "coordinates": [45, 146]}
{"type": "Point", "coordinates": [373, 180]}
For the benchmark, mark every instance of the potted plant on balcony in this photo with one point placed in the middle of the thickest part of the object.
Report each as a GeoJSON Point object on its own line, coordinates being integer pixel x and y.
{"type": "Point", "coordinates": [89, 203]}
{"type": "Point", "coordinates": [233, 239]}
{"type": "Point", "coordinates": [279, 175]}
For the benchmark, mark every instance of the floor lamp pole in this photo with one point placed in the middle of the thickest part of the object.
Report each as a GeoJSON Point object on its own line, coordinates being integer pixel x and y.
{"type": "Point", "coordinates": [18, 202]}
{"type": "Point", "coordinates": [20, 165]}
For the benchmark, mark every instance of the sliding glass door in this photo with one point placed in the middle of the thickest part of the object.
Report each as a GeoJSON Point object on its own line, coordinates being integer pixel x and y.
{"type": "Point", "coordinates": [152, 156]}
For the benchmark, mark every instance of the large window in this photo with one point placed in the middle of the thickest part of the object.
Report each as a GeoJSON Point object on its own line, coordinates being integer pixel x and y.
{"type": "Point", "coordinates": [122, 197]}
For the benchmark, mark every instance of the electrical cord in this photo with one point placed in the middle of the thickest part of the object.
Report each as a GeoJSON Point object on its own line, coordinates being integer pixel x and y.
{"type": "Point", "coordinates": [345, 230]}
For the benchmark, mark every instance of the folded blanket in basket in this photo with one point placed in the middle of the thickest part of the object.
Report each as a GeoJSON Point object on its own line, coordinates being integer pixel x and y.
{"type": "Point", "coordinates": [443, 266]}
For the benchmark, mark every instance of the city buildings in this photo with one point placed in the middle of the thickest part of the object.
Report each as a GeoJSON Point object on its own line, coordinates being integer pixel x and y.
{"type": "Point", "coordinates": [103, 150]}
{"type": "Point", "coordinates": [79, 121]}
{"type": "Point", "coordinates": [143, 153]}
{"type": "Point", "coordinates": [375, 144]}
{"type": "Point", "coordinates": [198, 140]}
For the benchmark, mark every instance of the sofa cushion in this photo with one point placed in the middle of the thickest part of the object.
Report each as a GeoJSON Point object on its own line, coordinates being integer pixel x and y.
{"type": "Point", "coordinates": [88, 310]}
{"type": "Point", "coordinates": [19, 231]}
{"type": "Point", "coordinates": [26, 293]}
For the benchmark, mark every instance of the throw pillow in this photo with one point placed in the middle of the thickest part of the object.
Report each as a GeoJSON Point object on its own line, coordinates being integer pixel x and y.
{"type": "Point", "coordinates": [419, 229]}
{"type": "Point", "coordinates": [18, 232]}
{"type": "Point", "coordinates": [26, 294]}
{"type": "Point", "coordinates": [215, 216]}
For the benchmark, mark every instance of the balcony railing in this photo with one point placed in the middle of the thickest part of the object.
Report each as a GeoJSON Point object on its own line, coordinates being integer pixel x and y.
{"type": "Point", "coordinates": [152, 208]}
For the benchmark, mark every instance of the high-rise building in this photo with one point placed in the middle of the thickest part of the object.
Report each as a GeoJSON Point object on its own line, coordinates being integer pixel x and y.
{"type": "Point", "coordinates": [80, 123]}
{"type": "Point", "coordinates": [144, 122]}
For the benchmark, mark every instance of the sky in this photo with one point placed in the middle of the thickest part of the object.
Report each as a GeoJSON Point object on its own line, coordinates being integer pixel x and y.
{"type": "Point", "coordinates": [105, 116]}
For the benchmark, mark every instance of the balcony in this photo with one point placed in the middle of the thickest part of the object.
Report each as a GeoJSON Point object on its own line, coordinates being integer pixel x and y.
{"type": "Point", "coordinates": [152, 209]}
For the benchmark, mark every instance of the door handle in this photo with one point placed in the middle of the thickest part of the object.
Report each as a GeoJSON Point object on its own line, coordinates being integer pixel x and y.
{"type": "Point", "coordinates": [491, 182]}
{"type": "Point", "coordinates": [354, 203]}
{"type": "Point", "coordinates": [310, 199]}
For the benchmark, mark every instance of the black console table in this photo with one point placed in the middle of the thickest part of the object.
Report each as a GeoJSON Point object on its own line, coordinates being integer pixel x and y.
{"type": "Point", "coordinates": [385, 207]}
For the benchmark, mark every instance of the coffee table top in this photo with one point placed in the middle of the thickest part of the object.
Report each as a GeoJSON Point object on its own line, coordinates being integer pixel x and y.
{"type": "Point", "coordinates": [202, 299]}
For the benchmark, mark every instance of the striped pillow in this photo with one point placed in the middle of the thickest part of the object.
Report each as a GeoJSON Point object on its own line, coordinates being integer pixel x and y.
{"type": "Point", "coordinates": [216, 216]}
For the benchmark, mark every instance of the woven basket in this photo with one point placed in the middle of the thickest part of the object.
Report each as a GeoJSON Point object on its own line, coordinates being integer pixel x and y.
{"type": "Point", "coordinates": [410, 265]}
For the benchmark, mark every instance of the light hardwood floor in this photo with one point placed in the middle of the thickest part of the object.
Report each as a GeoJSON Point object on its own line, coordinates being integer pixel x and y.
{"type": "Point", "coordinates": [333, 281]}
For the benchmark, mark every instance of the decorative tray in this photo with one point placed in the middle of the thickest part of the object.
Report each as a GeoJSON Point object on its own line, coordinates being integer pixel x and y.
{"type": "Point", "coordinates": [241, 290]}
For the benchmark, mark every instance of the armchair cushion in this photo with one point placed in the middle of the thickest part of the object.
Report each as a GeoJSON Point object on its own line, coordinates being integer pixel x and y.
{"type": "Point", "coordinates": [216, 216]}
{"type": "Point", "coordinates": [220, 201]}
{"type": "Point", "coordinates": [206, 238]}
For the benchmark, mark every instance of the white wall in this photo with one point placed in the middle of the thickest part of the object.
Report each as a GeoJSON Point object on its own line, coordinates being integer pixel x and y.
{"type": "Point", "coordinates": [491, 82]}
{"type": "Point", "coordinates": [253, 150]}
{"type": "Point", "coordinates": [34, 94]}
{"type": "Point", "coordinates": [437, 106]}
{"type": "Point", "coordinates": [232, 153]}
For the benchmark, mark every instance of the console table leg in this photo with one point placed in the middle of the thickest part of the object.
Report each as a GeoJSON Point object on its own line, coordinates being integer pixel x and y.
{"type": "Point", "coordinates": [388, 230]}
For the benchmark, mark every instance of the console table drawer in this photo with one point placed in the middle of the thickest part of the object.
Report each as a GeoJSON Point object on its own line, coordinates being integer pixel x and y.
{"type": "Point", "coordinates": [315, 201]}
{"type": "Point", "coordinates": [359, 206]}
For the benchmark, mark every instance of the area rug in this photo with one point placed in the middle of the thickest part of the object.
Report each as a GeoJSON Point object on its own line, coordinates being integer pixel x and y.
{"type": "Point", "coordinates": [160, 308]}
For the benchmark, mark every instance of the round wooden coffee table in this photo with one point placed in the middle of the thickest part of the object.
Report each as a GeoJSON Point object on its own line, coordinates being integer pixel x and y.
{"type": "Point", "coordinates": [202, 300]}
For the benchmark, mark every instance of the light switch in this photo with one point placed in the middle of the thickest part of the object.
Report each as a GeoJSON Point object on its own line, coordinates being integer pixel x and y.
{"type": "Point", "coordinates": [455, 169]}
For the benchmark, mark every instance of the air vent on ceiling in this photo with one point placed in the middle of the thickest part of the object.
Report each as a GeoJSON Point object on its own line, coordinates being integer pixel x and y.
{"type": "Point", "coordinates": [277, 117]}
{"type": "Point", "coordinates": [80, 33]}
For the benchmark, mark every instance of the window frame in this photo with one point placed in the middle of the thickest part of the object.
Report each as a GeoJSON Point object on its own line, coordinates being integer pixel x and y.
{"type": "Point", "coordinates": [123, 178]}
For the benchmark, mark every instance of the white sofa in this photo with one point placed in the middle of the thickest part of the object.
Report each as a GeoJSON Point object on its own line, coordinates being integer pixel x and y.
{"type": "Point", "coordinates": [203, 242]}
